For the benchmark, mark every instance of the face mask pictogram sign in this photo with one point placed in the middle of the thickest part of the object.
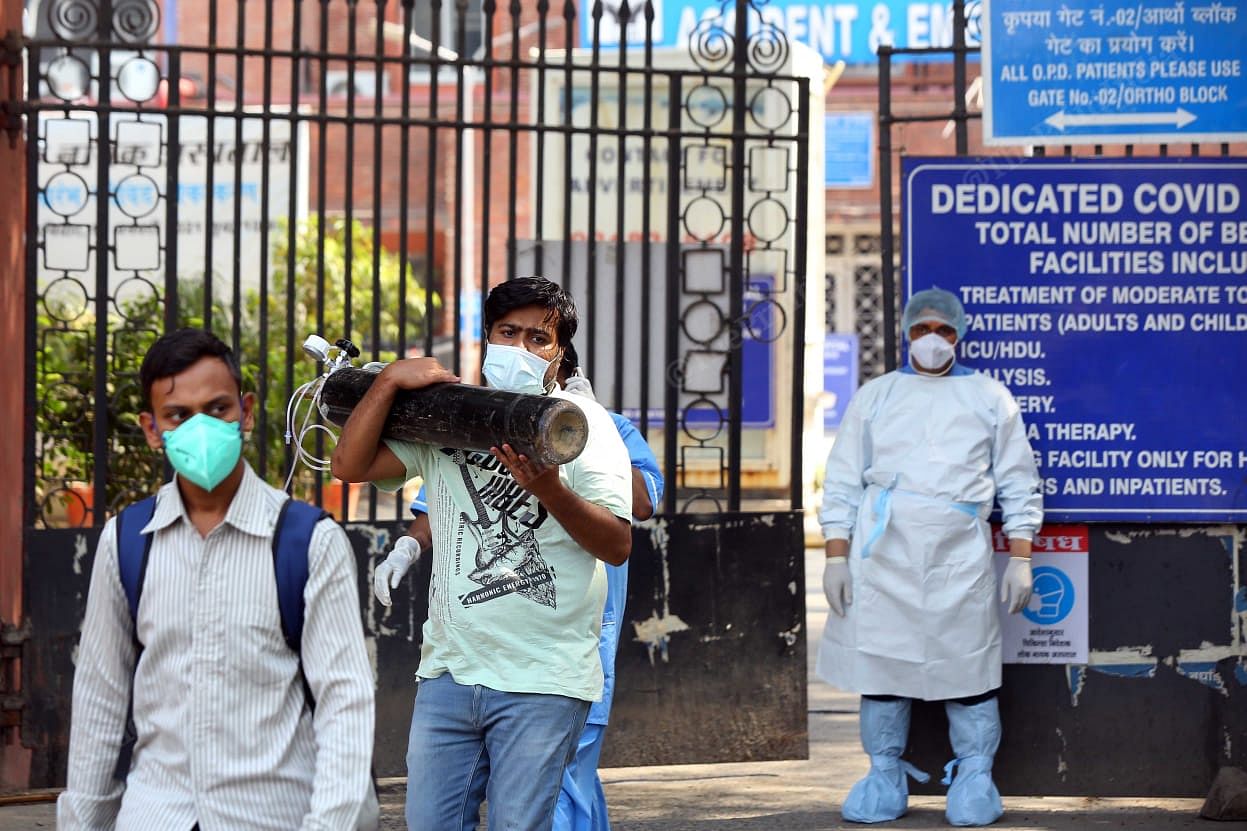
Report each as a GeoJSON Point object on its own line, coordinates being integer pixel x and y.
{"type": "Point", "coordinates": [1052, 628]}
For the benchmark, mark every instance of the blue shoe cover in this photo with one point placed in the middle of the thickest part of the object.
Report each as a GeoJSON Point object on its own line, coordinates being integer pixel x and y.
{"type": "Point", "coordinates": [975, 735]}
{"type": "Point", "coordinates": [883, 794]}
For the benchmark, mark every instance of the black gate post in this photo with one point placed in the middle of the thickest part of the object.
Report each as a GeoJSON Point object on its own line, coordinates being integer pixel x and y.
{"type": "Point", "coordinates": [736, 253]}
{"type": "Point", "coordinates": [887, 241]}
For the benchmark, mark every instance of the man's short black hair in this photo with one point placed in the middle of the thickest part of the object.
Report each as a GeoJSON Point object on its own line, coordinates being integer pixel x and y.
{"type": "Point", "coordinates": [177, 351]}
{"type": "Point", "coordinates": [519, 292]}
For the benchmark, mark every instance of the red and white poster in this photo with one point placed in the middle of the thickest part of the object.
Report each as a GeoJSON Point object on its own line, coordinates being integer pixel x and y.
{"type": "Point", "coordinates": [1052, 628]}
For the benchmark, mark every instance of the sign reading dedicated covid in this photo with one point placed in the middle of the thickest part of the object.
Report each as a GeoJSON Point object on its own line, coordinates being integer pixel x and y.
{"type": "Point", "coordinates": [1101, 71]}
{"type": "Point", "coordinates": [1110, 297]}
{"type": "Point", "coordinates": [849, 31]}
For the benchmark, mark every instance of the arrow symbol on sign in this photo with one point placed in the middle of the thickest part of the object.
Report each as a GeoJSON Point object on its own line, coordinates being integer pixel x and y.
{"type": "Point", "coordinates": [1060, 119]}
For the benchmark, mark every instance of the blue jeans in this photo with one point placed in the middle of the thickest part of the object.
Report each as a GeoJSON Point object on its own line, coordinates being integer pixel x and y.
{"type": "Point", "coordinates": [470, 743]}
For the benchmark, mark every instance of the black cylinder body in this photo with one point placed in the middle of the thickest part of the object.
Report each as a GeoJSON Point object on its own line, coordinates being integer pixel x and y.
{"type": "Point", "coordinates": [467, 417]}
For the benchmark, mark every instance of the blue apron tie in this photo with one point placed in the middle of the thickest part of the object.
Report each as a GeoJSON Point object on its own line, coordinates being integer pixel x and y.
{"type": "Point", "coordinates": [883, 513]}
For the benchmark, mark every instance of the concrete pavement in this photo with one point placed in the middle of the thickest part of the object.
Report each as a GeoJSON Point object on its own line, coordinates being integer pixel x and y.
{"type": "Point", "coordinates": [799, 795]}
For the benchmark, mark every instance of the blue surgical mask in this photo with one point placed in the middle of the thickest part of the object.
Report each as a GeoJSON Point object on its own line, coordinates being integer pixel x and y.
{"type": "Point", "coordinates": [514, 369]}
{"type": "Point", "coordinates": [204, 449]}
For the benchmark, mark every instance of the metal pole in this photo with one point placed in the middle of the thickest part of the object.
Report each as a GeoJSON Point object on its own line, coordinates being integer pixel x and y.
{"type": "Point", "coordinates": [671, 387]}
{"type": "Point", "coordinates": [886, 241]}
{"type": "Point", "coordinates": [800, 243]}
{"type": "Point", "coordinates": [736, 252]}
{"type": "Point", "coordinates": [959, 76]}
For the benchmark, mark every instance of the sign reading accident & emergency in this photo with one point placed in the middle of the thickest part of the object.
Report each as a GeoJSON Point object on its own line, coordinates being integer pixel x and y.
{"type": "Point", "coordinates": [1110, 297]}
{"type": "Point", "coordinates": [847, 30]}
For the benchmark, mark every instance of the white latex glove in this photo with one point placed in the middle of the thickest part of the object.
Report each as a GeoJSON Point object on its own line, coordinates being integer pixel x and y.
{"type": "Point", "coordinates": [580, 385]}
{"type": "Point", "coordinates": [390, 573]}
{"type": "Point", "coordinates": [837, 584]}
{"type": "Point", "coordinates": [1015, 585]}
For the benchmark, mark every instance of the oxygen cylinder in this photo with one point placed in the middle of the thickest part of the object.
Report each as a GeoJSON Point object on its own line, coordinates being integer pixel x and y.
{"type": "Point", "coordinates": [467, 417]}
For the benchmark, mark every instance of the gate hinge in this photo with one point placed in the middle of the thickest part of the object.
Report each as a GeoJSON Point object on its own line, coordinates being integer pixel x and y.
{"type": "Point", "coordinates": [11, 103]}
{"type": "Point", "coordinates": [12, 701]}
{"type": "Point", "coordinates": [15, 636]}
{"type": "Point", "coordinates": [11, 48]}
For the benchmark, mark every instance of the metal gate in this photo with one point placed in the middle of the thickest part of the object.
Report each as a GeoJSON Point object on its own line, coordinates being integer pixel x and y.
{"type": "Point", "coordinates": [1096, 729]}
{"type": "Point", "coordinates": [368, 169]}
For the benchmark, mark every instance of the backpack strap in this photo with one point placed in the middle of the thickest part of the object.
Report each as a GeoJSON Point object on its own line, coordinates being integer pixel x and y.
{"type": "Point", "coordinates": [133, 548]}
{"type": "Point", "coordinates": [291, 539]}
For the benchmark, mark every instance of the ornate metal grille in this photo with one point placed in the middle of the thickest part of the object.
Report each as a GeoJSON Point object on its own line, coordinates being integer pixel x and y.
{"type": "Point", "coordinates": [349, 168]}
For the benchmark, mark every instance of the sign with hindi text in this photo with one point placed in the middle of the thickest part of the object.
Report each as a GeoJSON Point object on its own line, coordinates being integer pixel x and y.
{"type": "Point", "coordinates": [1080, 72]}
{"type": "Point", "coordinates": [1052, 627]}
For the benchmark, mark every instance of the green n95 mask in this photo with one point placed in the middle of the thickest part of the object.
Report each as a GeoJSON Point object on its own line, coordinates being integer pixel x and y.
{"type": "Point", "coordinates": [204, 449]}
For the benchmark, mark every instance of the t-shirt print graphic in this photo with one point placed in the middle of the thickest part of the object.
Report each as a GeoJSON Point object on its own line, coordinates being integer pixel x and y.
{"type": "Point", "coordinates": [507, 561]}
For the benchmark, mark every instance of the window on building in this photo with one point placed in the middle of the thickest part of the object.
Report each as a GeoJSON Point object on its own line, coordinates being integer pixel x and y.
{"type": "Point", "coordinates": [448, 30]}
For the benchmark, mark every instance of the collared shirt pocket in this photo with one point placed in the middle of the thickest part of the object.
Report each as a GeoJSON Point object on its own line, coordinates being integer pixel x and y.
{"type": "Point", "coordinates": [255, 646]}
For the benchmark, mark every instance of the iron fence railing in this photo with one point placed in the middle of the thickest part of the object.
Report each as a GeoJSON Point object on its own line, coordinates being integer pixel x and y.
{"type": "Point", "coordinates": [348, 168]}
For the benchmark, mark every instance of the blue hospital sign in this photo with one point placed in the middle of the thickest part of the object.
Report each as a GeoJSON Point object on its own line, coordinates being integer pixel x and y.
{"type": "Point", "coordinates": [849, 150]}
{"type": "Point", "coordinates": [851, 30]}
{"type": "Point", "coordinates": [1110, 297]}
{"type": "Point", "coordinates": [1100, 71]}
{"type": "Point", "coordinates": [839, 377]}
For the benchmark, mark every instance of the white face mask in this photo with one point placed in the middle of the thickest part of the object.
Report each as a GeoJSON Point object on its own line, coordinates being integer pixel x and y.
{"type": "Point", "coordinates": [514, 369]}
{"type": "Point", "coordinates": [930, 352]}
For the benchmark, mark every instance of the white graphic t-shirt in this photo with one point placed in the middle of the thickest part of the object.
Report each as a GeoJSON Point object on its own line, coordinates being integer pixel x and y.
{"type": "Point", "coordinates": [515, 604]}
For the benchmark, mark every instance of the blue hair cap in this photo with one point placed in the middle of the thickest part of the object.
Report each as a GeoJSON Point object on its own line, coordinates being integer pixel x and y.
{"type": "Point", "coordinates": [934, 305]}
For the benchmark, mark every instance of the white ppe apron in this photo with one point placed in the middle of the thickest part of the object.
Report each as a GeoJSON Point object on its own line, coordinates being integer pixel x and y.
{"type": "Point", "coordinates": [923, 622]}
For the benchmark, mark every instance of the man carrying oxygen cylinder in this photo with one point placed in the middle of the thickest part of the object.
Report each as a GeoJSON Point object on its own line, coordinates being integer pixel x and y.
{"type": "Point", "coordinates": [509, 662]}
{"type": "Point", "coordinates": [582, 800]}
{"type": "Point", "coordinates": [920, 458]}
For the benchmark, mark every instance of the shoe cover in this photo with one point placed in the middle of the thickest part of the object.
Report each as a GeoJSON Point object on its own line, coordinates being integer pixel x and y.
{"type": "Point", "coordinates": [974, 731]}
{"type": "Point", "coordinates": [884, 793]}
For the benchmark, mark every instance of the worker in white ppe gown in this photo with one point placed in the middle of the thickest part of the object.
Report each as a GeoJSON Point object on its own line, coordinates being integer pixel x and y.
{"type": "Point", "coordinates": [921, 456]}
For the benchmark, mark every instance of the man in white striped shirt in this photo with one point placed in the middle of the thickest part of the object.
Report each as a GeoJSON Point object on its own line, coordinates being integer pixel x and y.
{"type": "Point", "coordinates": [226, 740]}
